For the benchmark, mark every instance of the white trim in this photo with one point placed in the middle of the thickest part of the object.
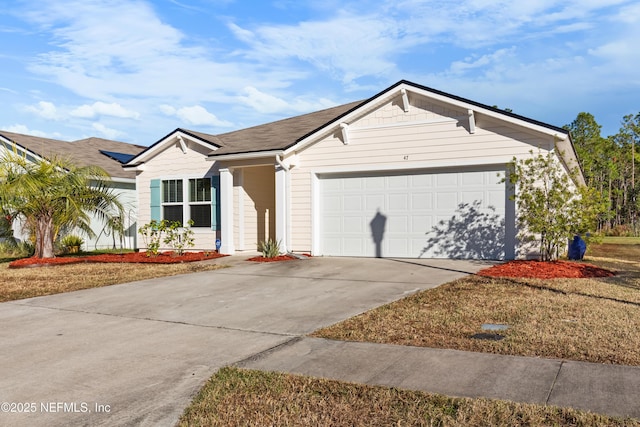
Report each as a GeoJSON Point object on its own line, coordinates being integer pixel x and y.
{"type": "Point", "coordinates": [454, 119]}
{"type": "Point", "coordinates": [281, 208]}
{"type": "Point", "coordinates": [405, 100]}
{"type": "Point", "coordinates": [244, 156]}
{"type": "Point", "coordinates": [239, 177]}
{"type": "Point", "coordinates": [226, 211]}
{"type": "Point", "coordinates": [383, 167]}
{"type": "Point", "coordinates": [123, 180]}
{"type": "Point", "coordinates": [472, 121]}
{"type": "Point", "coordinates": [183, 145]}
{"type": "Point", "coordinates": [344, 128]}
{"type": "Point", "coordinates": [315, 215]}
{"type": "Point", "coordinates": [161, 145]}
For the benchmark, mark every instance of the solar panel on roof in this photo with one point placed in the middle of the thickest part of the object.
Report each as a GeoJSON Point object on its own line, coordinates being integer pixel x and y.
{"type": "Point", "coordinates": [119, 157]}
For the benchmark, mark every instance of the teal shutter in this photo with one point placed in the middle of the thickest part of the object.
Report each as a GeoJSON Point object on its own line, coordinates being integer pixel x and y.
{"type": "Point", "coordinates": [156, 204]}
{"type": "Point", "coordinates": [215, 202]}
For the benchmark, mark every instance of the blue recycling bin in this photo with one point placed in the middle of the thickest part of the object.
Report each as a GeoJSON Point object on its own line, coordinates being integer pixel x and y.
{"type": "Point", "coordinates": [577, 248]}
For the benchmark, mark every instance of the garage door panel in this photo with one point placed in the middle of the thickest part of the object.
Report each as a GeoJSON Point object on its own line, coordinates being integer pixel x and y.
{"type": "Point", "coordinates": [421, 181]}
{"type": "Point", "coordinates": [353, 246]}
{"type": "Point", "coordinates": [333, 224]}
{"type": "Point", "coordinates": [399, 202]}
{"type": "Point", "coordinates": [471, 196]}
{"type": "Point", "coordinates": [398, 224]}
{"type": "Point", "coordinates": [447, 200]}
{"type": "Point", "coordinates": [374, 203]}
{"type": "Point", "coordinates": [350, 184]}
{"type": "Point", "coordinates": [398, 182]}
{"type": "Point", "coordinates": [352, 225]}
{"type": "Point", "coordinates": [447, 180]}
{"type": "Point", "coordinates": [352, 203]}
{"type": "Point", "coordinates": [374, 182]}
{"type": "Point", "coordinates": [414, 215]}
{"type": "Point", "coordinates": [473, 178]}
{"type": "Point", "coordinates": [496, 199]}
{"type": "Point", "coordinates": [421, 201]}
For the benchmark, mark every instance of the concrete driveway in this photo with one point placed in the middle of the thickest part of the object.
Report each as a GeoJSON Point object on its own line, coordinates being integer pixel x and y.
{"type": "Point", "coordinates": [136, 353]}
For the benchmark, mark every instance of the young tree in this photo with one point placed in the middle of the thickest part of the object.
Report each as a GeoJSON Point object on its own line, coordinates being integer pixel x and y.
{"type": "Point", "coordinates": [50, 195]}
{"type": "Point", "coordinates": [551, 209]}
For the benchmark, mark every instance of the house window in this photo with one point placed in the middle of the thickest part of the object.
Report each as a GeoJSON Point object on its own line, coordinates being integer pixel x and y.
{"type": "Point", "coordinates": [200, 202]}
{"type": "Point", "coordinates": [198, 197]}
{"type": "Point", "coordinates": [172, 200]}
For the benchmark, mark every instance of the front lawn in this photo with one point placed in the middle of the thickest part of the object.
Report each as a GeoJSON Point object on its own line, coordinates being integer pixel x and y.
{"type": "Point", "coordinates": [237, 397]}
{"type": "Point", "coordinates": [594, 320]}
{"type": "Point", "coordinates": [19, 283]}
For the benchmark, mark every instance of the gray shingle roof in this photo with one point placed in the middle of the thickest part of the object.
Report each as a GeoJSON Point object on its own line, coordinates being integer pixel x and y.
{"type": "Point", "coordinates": [275, 135]}
{"type": "Point", "coordinates": [84, 152]}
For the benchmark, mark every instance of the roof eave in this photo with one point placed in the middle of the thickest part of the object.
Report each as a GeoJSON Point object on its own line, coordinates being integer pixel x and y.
{"type": "Point", "coordinates": [244, 156]}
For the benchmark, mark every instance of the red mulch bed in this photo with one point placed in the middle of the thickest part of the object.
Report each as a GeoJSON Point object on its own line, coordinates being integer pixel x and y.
{"type": "Point", "coordinates": [129, 257]}
{"type": "Point", "coordinates": [545, 270]}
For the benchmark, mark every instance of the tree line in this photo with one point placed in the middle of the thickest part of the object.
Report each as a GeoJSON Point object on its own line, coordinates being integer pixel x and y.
{"type": "Point", "coordinates": [609, 166]}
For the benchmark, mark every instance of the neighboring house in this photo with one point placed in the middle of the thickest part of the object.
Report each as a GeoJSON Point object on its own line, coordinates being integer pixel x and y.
{"type": "Point", "coordinates": [110, 156]}
{"type": "Point", "coordinates": [411, 172]}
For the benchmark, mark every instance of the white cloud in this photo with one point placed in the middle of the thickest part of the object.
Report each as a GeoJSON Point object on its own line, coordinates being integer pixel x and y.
{"type": "Point", "coordinates": [104, 109]}
{"type": "Point", "coordinates": [484, 61]}
{"type": "Point", "coordinates": [346, 46]}
{"type": "Point", "coordinates": [168, 110]}
{"type": "Point", "coordinates": [106, 131]}
{"type": "Point", "coordinates": [195, 115]}
{"type": "Point", "coordinates": [121, 48]}
{"type": "Point", "coordinates": [44, 109]}
{"type": "Point", "coordinates": [269, 104]}
{"type": "Point", "coordinates": [23, 129]}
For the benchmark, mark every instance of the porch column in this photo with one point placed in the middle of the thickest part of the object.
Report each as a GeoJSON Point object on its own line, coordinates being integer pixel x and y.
{"type": "Point", "coordinates": [281, 208]}
{"type": "Point", "coordinates": [226, 212]}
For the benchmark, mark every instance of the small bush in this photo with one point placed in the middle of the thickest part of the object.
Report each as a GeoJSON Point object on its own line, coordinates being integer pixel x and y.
{"type": "Point", "coordinates": [270, 248]}
{"type": "Point", "coordinates": [18, 249]}
{"type": "Point", "coordinates": [172, 233]}
{"type": "Point", "coordinates": [71, 240]}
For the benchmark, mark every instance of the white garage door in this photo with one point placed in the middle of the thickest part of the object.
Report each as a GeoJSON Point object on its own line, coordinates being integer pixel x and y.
{"type": "Point", "coordinates": [448, 214]}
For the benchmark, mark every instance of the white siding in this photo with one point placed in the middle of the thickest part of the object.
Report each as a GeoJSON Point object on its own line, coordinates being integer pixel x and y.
{"type": "Point", "coordinates": [386, 140]}
{"type": "Point", "coordinates": [172, 163]}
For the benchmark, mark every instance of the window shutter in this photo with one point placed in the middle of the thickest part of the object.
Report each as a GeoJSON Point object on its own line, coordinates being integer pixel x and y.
{"type": "Point", "coordinates": [215, 202]}
{"type": "Point", "coordinates": [156, 204]}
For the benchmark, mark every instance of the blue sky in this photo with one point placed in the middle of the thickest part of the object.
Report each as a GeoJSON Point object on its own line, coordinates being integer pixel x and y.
{"type": "Point", "coordinates": [135, 70]}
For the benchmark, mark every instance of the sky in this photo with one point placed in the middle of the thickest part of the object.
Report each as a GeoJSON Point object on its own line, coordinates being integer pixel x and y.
{"type": "Point", "coordinates": [134, 70]}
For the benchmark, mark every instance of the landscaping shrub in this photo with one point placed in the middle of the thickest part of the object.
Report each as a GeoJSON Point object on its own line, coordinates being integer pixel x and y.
{"type": "Point", "coordinates": [270, 248]}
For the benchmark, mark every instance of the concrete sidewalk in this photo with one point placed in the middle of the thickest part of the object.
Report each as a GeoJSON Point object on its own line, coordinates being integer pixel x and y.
{"type": "Point", "coordinates": [605, 389]}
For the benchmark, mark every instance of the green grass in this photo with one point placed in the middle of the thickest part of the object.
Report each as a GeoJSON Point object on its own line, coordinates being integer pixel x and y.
{"type": "Point", "coordinates": [621, 240]}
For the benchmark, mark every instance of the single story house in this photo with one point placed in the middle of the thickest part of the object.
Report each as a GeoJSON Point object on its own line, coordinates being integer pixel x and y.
{"type": "Point", "coordinates": [410, 172]}
{"type": "Point", "coordinates": [107, 154]}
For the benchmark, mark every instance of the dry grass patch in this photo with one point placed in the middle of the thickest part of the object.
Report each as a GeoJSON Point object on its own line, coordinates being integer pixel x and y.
{"type": "Point", "coordinates": [32, 282]}
{"type": "Point", "coordinates": [235, 397]}
{"type": "Point", "coordinates": [594, 320]}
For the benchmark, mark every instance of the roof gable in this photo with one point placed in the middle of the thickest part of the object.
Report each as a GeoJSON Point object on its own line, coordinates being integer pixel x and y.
{"type": "Point", "coordinates": [178, 135]}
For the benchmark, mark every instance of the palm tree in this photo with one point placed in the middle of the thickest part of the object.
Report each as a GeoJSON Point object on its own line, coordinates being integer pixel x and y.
{"type": "Point", "coordinates": [54, 194]}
